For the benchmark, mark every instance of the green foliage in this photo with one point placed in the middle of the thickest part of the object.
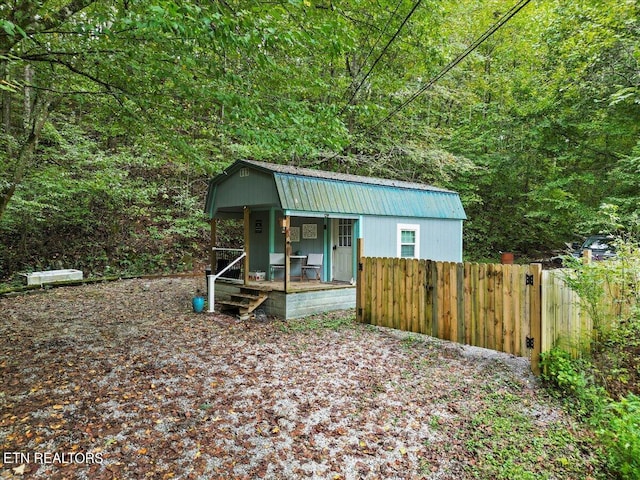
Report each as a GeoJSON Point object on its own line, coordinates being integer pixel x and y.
{"type": "Point", "coordinates": [508, 444]}
{"type": "Point", "coordinates": [622, 436]}
{"type": "Point", "coordinates": [590, 281]}
{"type": "Point", "coordinates": [570, 379]}
{"type": "Point", "coordinates": [107, 213]}
{"type": "Point", "coordinates": [536, 129]}
{"type": "Point", "coordinates": [603, 390]}
{"type": "Point", "coordinates": [606, 287]}
{"type": "Point", "coordinates": [617, 423]}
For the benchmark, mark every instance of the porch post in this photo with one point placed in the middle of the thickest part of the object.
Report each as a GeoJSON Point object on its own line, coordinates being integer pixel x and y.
{"type": "Point", "coordinates": [247, 230]}
{"type": "Point", "coordinates": [213, 240]}
{"type": "Point", "coordinates": [356, 236]}
{"type": "Point", "coordinates": [272, 231]}
{"type": "Point", "coordinates": [326, 250]}
{"type": "Point", "coordinates": [287, 253]}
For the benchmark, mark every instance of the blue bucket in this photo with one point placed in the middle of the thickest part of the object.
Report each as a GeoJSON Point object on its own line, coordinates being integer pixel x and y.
{"type": "Point", "coordinates": [198, 304]}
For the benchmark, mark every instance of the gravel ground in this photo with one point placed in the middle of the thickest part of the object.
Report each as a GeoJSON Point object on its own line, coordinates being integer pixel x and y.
{"type": "Point", "coordinates": [123, 380]}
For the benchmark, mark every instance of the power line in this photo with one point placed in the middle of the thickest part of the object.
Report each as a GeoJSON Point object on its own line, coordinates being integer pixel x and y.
{"type": "Point", "coordinates": [395, 35]}
{"type": "Point", "coordinates": [382, 32]}
{"type": "Point", "coordinates": [504, 19]}
{"type": "Point", "coordinates": [373, 47]}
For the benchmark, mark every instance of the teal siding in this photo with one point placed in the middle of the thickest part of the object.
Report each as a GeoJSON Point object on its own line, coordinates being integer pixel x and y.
{"type": "Point", "coordinates": [232, 192]}
{"type": "Point", "coordinates": [297, 305]}
{"type": "Point", "coordinates": [303, 304]}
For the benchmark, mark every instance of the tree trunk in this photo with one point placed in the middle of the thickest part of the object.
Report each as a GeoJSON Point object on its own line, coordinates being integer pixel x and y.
{"type": "Point", "coordinates": [6, 104]}
{"type": "Point", "coordinates": [28, 91]}
{"type": "Point", "coordinates": [24, 156]}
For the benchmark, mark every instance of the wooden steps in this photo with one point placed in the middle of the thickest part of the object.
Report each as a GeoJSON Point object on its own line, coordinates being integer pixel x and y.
{"type": "Point", "coordinates": [246, 301]}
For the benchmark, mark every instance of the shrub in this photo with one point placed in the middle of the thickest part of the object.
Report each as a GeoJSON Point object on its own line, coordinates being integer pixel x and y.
{"type": "Point", "coordinates": [617, 423]}
{"type": "Point", "coordinates": [621, 436]}
{"type": "Point", "coordinates": [571, 379]}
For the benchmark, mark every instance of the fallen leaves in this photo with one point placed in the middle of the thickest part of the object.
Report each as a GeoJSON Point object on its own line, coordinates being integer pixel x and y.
{"type": "Point", "coordinates": [161, 392]}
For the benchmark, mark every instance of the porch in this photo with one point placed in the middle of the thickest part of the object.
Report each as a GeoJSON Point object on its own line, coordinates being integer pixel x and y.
{"type": "Point", "coordinates": [287, 249]}
{"type": "Point", "coordinates": [299, 300]}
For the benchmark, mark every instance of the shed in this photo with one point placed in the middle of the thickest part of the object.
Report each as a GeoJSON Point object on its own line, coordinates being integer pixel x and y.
{"type": "Point", "coordinates": [305, 214]}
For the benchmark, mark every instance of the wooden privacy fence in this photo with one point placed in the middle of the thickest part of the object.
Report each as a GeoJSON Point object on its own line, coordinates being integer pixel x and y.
{"type": "Point", "coordinates": [564, 324]}
{"type": "Point", "coordinates": [517, 309]}
{"type": "Point", "coordinates": [565, 321]}
{"type": "Point", "coordinates": [486, 305]}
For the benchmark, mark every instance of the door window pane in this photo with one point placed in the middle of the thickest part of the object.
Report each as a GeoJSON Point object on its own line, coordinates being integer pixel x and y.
{"type": "Point", "coordinates": [345, 232]}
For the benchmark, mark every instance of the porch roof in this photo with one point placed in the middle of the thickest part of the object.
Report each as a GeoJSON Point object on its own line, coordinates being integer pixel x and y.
{"type": "Point", "coordinates": [315, 191]}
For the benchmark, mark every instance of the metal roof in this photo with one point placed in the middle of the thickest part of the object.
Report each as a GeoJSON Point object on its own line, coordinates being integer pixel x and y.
{"type": "Point", "coordinates": [316, 191]}
{"type": "Point", "coordinates": [345, 177]}
{"type": "Point", "coordinates": [339, 196]}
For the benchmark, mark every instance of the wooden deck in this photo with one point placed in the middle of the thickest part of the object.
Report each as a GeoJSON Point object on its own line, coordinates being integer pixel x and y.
{"type": "Point", "coordinates": [296, 287]}
{"type": "Point", "coordinates": [303, 298]}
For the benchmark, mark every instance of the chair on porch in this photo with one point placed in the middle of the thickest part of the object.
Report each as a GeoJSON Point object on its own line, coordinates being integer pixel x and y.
{"type": "Point", "coordinates": [314, 262]}
{"type": "Point", "coordinates": [276, 262]}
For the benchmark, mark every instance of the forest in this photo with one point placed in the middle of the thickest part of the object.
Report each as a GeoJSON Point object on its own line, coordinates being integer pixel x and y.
{"type": "Point", "coordinates": [115, 114]}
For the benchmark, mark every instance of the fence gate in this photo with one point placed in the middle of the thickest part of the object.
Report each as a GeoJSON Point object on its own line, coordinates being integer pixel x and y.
{"type": "Point", "coordinates": [487, 305]}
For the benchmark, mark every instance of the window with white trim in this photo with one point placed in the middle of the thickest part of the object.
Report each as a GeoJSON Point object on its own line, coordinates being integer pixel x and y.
{"type": "Point", "coordinates": [408, 241]}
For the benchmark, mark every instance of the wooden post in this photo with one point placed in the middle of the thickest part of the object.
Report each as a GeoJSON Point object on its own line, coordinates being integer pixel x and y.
{"type": "Point", "coordinates": [287, 254]}
{"type": "Point", "coordinates": [467, 305]}
{"type": "Point", "coordinates": [247, 231]}
{"type": "Point", "coordinates": [359, 280]}
{"type": "Point", "coordinates": [212, 244]}
{"type": "Point", "coordinates": [431, 320]}
{"type": "Point", "coordinates": [462, 325]}
{"type": "Point", "coordinates": [535, 294]}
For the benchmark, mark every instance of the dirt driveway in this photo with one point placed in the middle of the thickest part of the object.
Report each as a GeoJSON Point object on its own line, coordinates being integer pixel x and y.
{"type": "Point", "coordinates": [123, 380]}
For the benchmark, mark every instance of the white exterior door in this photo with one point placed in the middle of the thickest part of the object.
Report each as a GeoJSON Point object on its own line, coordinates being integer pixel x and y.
{"type": "Point", "coordinates": [343, 250]}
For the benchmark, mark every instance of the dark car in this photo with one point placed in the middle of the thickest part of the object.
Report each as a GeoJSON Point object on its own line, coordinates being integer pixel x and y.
{"type": "Point", "coordinates": [601, 246]}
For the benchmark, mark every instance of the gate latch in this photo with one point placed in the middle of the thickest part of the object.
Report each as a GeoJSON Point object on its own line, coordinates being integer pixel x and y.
{"type": "Point", "coordinates": [529, 342]}
{"type": "Point", "coordinates": [528, 279]}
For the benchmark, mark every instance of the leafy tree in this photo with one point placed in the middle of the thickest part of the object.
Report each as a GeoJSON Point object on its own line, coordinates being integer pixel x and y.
{"type": "Point", "coordinates": [536, 128]}
{"type": "Point", "coordinates": [164, 68]}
